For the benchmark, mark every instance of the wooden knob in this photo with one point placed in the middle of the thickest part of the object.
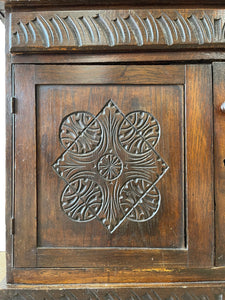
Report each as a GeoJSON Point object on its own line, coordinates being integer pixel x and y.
{"type": "Point", "coordinates": [222, 107]}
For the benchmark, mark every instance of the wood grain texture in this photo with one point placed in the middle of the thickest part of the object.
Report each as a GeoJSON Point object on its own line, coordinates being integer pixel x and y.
{"type": "Point", "coordinates": [61, 100]}
{"type": "Point", "coordinates": [49, 103]}
{"type": "Point", "coordinates": [96, 3]}
{"type": "Point", "coordinates": [160, 100]}
{"type": "Point", "coordinates": [65, 257]}
{"type": "Point", "coordinates": [25, 169]}
{"type": "Point", "coordinates": [119, 29]}
{"type": "Point", "coordinates": [44, 252]}
{"type": "Point", "coordinates": [199, 176]}
{"type": "Point", "coordinates": [132, 74]}
{"type": "Point", "coordinates": [9, 208]}
{"type": "Point", "coordinates": [219, 152]}
{"type": "Point", "coordinates": [117, 58]}
{"type": "Point", "coordinates": [63, 293]}
{"type": "Point", "coordinates": [116, 276]}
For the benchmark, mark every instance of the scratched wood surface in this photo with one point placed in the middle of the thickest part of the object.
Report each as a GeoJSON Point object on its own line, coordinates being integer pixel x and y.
{"type": "Point", "coordinates": [119, 291]}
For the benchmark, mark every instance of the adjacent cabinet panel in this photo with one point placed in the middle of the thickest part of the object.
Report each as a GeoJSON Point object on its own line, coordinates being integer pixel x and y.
{"type": "Point", "coordinates": [219, 114]}
{"type": "Point", "coordinates": [114, 171]}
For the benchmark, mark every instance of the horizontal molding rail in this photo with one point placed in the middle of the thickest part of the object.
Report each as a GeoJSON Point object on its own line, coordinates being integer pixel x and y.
{"type": "Point", "coordinates": [115, 30]}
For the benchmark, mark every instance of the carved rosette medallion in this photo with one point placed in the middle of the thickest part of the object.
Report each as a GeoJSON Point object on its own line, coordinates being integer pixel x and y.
{"type": "Point", "coordinates": [110, 166]}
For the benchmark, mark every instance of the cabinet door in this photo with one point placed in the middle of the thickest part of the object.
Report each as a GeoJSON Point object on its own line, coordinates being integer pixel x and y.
{"type": "Point", "coordinates": [111, 173]}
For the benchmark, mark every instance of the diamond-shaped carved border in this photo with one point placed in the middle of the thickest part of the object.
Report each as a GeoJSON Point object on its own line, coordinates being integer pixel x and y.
{"type": "Point", "coordinates": [110, 166]}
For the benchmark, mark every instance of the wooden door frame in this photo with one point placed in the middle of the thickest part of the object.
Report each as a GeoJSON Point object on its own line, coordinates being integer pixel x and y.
{"type": "Point", "coordinates": [199, 252]}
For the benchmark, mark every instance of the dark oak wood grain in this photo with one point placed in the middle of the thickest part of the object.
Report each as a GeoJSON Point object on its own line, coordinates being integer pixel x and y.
{"type": "Point", "coordinates": [144, 58]}
{"type": "Point", "coordinates": [69, 258]}
{"type": "Point", "coordinates": [25, 169]}
{"type": "Point", "coordinates": [219, 129]}
{"type": "Point", "coordinates": [199, 139]}
{"type": "Point", "coordinates": [9, 189]}
{"type": "Point", "coordinates": [63, 100]}
{"type": "Point", "coordinates": [114, 74]}
{"type": "Point", "coordinates": [62, 90]}
{"type": "Point", "coordinates": [152, 292]}
{"type": "Point", "coordinates": [115, 30]}
{"type": "Point", "coordinates": [99, 205]}
{"type": "Point", "coordinates": [115, 276]}
{"type": "Point", "coordinates": [93, 3]}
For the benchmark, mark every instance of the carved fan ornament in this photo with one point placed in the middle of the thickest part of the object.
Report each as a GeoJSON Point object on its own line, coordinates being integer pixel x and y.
{"type": "Point", "coordinates": [110, 166]}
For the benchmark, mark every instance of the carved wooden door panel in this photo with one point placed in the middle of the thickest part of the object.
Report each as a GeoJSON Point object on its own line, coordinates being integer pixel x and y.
{"type": "Point", "coordinates": [117, 175]}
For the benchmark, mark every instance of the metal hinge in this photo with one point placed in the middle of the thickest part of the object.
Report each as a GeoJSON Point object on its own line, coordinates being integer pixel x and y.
{"type": "Point", "coordinates": [12, 226]}
{"type": "Point", "coordinates": [13, 105]}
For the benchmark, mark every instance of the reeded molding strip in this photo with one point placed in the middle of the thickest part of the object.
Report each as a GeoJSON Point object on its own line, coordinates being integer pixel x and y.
{"type": "Point", "coordinates": [73, 30]}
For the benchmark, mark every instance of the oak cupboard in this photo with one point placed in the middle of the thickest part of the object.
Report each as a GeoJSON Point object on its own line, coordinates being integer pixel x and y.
{"type": "Point", "coordinates": [115, 150]}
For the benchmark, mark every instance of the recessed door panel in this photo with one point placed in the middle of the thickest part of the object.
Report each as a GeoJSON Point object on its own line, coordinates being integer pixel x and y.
{"type": "Point", "coordinates": [157, 112]}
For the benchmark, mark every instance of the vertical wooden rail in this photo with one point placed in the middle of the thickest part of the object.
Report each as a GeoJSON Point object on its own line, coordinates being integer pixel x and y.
{"type": "Point", "coordinates": [219, 153]}
{"type": "Point", "coordinates": [25, 168]}
{"type": "Point", "coordinates": [199, 140]}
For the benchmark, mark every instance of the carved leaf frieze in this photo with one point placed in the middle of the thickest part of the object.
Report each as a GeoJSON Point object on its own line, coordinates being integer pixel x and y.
{"type": "Point", "coordinates": [110, 166]}
{"type": "Point", "coordinates": [153, 28]}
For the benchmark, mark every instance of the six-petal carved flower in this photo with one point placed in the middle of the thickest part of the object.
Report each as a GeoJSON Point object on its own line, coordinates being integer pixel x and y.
{"type": "Point", "coordinates": [110, 166]}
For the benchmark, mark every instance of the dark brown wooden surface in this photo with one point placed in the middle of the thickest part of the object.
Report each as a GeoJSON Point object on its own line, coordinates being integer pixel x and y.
{"type": "Point", "coordinates": [9, 203]}
{"type": "Point", "coordinates": [55, 102]}
{"type": "Point", "coordinates": [219, 137]}
{"type": "Point", "coordinates": [199, 176]}
{"type": "Point", "coordinates": [133, 74]}
{"type": "Point", "coordinates": [90, 3]}
{"type": "Point", "coordinates": [61, 90]}
{"type": "Point", "coordinates": [25, 169]}
{"type": "Point", "coordinates": [181, 243]}
{"type": "Point", "coordinates": [61, 293]}
{"type": "Point", "coordinates": [215, 291]}
{"type": "Point", "coordinates": [117, 58]}
{"type": "Point", "coordinates": [68, 258]}
{"type": "Point", "coordinates": [115, 30]}
{"type": "Point", "coordinates": [60, 100]}
{"type": "Point", "coordinates": [113, 276]}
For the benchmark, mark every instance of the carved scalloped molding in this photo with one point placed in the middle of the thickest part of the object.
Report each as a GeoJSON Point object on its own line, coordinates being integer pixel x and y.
{"type": "Point", "coordinates": [57, 30]}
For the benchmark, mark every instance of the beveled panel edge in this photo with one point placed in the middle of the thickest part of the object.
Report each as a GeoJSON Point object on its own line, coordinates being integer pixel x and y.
{"type": "Point", "coordinates": [114, 30]}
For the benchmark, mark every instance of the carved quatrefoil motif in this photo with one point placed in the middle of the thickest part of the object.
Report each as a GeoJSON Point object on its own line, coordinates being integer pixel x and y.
{"type": "Point", "coordinates": [110, 166]}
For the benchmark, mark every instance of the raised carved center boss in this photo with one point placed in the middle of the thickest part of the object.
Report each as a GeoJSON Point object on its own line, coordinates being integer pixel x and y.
{"type": "Point", "coordinates": [110, 166]}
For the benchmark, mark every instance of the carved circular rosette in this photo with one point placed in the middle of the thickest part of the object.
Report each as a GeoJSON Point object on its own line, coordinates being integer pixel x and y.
{"type": "Point", "coordinates": [142, 202]}
{"type": "Point", "coordinates": [110, 166]}
{"type": "Point", "coordinates": [82, 200]}
{"type": "Point", "coordinates": [139, 132]}
{"type": "Point", "coordinates": [72, 125]}
{"type": "Point", "coordinates": [80, 132]}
